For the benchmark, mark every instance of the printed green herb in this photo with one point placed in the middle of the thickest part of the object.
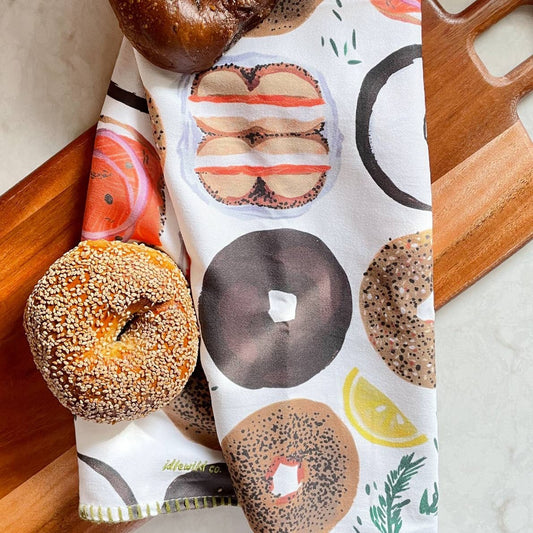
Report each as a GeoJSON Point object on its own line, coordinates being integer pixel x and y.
{"type": "Point", "coordinates": [427, 508]}
{"type": "Point", "coordinates": [387, 515]}
{"type": "Point", "coordinates": [338, 15]}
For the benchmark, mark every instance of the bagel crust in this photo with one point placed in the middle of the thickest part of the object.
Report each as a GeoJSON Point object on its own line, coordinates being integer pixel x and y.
{"type": "Point", "coordinates": [187, 35]}
{"type": "Point", "coordinates": [112, 329]}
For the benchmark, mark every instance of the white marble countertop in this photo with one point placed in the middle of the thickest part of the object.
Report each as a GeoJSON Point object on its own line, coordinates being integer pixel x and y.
{"type": "Point", "coordinates": [57, 58]}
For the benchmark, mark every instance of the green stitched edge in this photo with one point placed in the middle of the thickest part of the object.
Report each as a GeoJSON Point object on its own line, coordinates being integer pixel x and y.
{"type": "Point", "coordinates": [136, 512]}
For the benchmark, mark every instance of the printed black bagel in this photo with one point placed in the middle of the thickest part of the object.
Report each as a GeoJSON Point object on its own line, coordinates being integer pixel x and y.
{"type": "Point", "coordinates": [274, 308]}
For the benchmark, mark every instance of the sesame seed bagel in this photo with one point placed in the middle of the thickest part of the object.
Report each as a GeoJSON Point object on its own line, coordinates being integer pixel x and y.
{"type": "Point", "coordinates": [112, 329]}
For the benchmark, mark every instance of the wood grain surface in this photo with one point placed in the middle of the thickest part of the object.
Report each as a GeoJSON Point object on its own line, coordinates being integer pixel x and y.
{"type": "Point", "coordinates": [480, 155]}
{"type": "Point", "coordinates": [481, 163]}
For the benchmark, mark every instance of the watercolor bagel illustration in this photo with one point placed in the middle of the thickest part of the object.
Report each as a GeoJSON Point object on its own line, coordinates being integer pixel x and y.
{"type": "Point", "coordinates": [294, 466]}
{"type": "Point", "coordinates": [125, 198]}
{"type": "Point", "coordinates": [192, 413]}
{"type": "Point", "coordinates": [274, 308]}
{"type": "Point", "coordinates": [263, 141]}
{"type": "Point", "coordinates": [396, 304]}
{"type": "Point", "coordinates": [158, 131]}
{"type": "Point", "coordinates": [209, 480]}
{"type": "Point", "coordinates": [286, 172]}
{"type": "Point", "coordinates": [287, 15]}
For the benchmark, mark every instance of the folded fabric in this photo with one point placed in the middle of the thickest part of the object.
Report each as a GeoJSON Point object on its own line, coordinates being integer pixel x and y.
{"type": "Point", "coordinates": [291, 183]}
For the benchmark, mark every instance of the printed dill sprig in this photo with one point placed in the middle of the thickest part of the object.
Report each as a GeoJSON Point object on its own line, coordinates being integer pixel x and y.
{"type": "Point", "coordinates": [337, 46]}
{"type": "Point", "coordinates": [427, 508]}
{"type": "Point", "coordinates": [387, 515]}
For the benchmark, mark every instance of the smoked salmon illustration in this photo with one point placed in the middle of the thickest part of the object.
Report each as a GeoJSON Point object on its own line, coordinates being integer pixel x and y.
{"type": "Point", "coordinates": [399, 9]}
{"type": "Point", "coordinates": [124, 199]}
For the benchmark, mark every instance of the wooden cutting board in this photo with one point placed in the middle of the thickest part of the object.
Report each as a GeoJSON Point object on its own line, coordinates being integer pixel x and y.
{"type": "Point", "coordinates": [482, 173]}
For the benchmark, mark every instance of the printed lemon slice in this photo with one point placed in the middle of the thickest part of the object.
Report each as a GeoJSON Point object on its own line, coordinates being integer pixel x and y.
{"type": "Point", "coordinates": [376, 416]}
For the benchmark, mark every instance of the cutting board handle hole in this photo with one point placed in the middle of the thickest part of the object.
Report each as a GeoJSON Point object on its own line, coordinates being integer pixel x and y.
{"type": "Point", "coordinates": [507, 43]}
{"type": "Point", "coordinates": [524, 110]}
{"type": "Point", "coordinates": [455, 6]}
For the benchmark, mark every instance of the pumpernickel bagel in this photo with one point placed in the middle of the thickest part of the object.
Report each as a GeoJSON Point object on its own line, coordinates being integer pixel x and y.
{"type": "Point", "coordinates": [187, 35]}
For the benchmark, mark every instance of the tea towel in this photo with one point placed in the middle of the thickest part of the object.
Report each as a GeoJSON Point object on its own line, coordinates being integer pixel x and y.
{"type": "Point", "coordinates": [291, 183]}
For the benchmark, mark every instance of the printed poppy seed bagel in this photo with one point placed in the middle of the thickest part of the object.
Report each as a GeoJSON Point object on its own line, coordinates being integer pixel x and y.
{"type": "Point", "coordinates": [286, 16]}
{"type": "Point", "coordinates": [294, 466]}
{"type": "Point", "coordinates": [189, 35]}
{"type": "Point", "coordinates": [112, 329]}
{"type": "Point", "coordinates": [278, 184]}
{"type": "Point", "coordinates": [192, 413]}
{"type": "Point", "coordinates": [396, 303]}
{"type": "Point", "coordinates": [230, 100]}
{"type": "Point", "coordinates": [274, 308]}
{"type": "Point", "coordinates": [158, 131]}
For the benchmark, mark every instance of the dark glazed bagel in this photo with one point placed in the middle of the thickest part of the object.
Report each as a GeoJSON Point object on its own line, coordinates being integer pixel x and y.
{"type": "Point", "coordinates": [187, 35]}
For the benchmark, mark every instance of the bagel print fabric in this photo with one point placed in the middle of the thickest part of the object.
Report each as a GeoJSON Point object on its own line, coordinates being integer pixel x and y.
{"type": "Point", "coordinates": [293, 189]}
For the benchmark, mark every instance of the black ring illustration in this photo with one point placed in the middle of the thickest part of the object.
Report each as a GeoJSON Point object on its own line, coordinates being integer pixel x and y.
{"type": "Point", "coordinates": [374, 81]}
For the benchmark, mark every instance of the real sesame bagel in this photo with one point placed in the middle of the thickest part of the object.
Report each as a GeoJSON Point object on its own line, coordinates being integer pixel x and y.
{"type": "Point", "coordinates": [112, 329]}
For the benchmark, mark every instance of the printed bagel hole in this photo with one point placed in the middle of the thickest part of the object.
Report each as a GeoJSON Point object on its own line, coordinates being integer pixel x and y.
{"type": "Point", "coordinates": [285, 477]}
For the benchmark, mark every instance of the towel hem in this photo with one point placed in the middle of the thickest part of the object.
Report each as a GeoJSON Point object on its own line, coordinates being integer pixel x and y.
{"type": "Point", "coordinates": [129, 513]}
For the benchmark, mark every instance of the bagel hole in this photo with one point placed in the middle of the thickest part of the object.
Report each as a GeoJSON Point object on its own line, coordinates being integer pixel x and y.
{"type": "Point", "coordinates": [136, 311]}
{"type": "Point", "coordinates": [127, 325]}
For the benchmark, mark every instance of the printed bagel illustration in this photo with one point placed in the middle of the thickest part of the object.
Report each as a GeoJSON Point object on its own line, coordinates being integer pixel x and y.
{"type": "Point", "coordinates": [264, 142]}
{"type": "Point", "coordinates": [287, 15]}
{"type": "Point", "coordinates": [373, 84]}
{"type": "Point", "coordinates": [294, 466]}
{"type": "Point", "coordinates": [396, 304]}
{"type": "Point", "coordinates": [274, 308]}
{"type": "Point", "coordinates": [158, 131]}
{"type": "Point", "coordinates": [125, 198]}
{"type": "Point", "coordinates": [403, 10]}
{"type": "Point", "coordinates": [286, 173]}
{"type": "Point", "coordinates": [192, 413]}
